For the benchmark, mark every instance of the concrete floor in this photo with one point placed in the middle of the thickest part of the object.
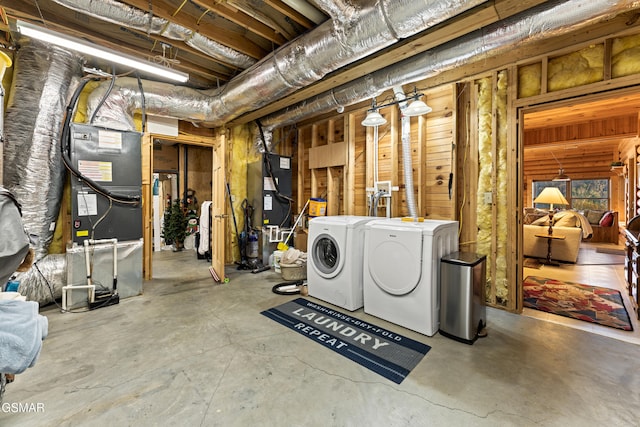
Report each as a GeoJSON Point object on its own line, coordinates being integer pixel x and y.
{"type": "Point", "coordinates": [192, 353]}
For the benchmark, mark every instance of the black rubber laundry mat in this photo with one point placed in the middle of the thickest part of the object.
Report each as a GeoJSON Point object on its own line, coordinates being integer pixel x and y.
{"type": "Point", "coordinates": [387, 353]}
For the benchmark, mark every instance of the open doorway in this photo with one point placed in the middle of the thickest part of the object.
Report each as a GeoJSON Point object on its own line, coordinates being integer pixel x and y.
{"type": "Point", "coordinates": [193, 171]}
{"type": "Point", "coordinates": [574, 146]}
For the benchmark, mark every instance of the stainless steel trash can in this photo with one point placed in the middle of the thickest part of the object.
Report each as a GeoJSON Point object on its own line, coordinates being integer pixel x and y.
{"type": "Point", "coordinates": [462, 301]}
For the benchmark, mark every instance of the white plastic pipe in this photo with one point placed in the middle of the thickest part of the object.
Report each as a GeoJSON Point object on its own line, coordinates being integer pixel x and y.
{"type": "Point", "coordinates": [90, 287]}
{"type": "Point", "coordinates": [91, 292]}
{"type": "Point", "coordinates": [115, 257]}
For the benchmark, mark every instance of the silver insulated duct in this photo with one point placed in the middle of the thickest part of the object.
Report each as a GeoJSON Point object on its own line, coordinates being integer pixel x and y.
{"type": "Point", "coordinates": [549, 19]}
{"type": "Point", "coordinates": [35, 172]}
{"type": "Point", "coordinates": [334, 44]}
{"type": "Point", "coordinates": [122, 14]}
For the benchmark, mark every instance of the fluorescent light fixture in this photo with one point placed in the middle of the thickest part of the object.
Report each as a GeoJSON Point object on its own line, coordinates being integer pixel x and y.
{"type": "Point", "coordinates": [99, 52]}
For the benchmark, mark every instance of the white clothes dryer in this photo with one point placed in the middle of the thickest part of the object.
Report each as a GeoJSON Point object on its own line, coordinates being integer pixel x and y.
{"type": "Point", "coordinates": [402, 270]}
{"type": "Point", "coordinates": [334, 257]}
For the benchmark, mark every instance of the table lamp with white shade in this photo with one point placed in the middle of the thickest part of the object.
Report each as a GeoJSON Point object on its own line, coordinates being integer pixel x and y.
{"type": "Point", "coordinates": [552, 196]}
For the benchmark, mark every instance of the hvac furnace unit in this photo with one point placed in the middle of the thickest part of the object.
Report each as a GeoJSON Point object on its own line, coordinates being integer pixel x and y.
{"type": "Point", "coordinates": [113, 160]}
{"type": "Point", "coordinates": [268, 180]}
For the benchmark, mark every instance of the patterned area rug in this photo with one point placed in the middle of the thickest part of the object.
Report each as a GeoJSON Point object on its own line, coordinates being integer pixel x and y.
{"type": "Point", "coordinates": [589, 303]}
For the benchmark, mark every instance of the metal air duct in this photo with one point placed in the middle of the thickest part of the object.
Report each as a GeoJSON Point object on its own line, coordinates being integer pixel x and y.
{"type": "Point", "coordinates": [549, 19]}
{"type": "Point", "coordinates": [309, 58]}
{"type": "Point", "coordinates": [122, 14]}
{"type": "Point", "coordinates": [41, 81]}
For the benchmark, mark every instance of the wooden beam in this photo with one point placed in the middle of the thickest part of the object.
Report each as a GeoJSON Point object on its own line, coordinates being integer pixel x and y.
{"type": "Point", "coordinates": [223, 34]}
{"type": "Point", "coordinates": [245, 21]}
{"type": "Point", "coordinates": [334, 177]}
{"type": "Point", "coordinates": [147, 207]}
{"type": "Point", "coordinates": [369, 162]}
{"type": "Point", "coordinates": [492, 267]}
{"type": "Point", "coordinates": [395, 158]}
{"type": "Point", "coordinates": [291, 13]}
{"type": "Point", "coordinates": [301, 200]}
{"type": "Point", "coordinates": [506, 8]}
{"type": "Point", "coordinates": [349, 168]}
{"type": "Point", "coordinates": [314, 177]}
{"type": "Point", "coordinates": [422, 170]}
{"type": "Point", "coordinates": [514, 195]}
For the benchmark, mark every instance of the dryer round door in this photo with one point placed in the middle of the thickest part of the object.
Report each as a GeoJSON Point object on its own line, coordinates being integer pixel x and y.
{"type": "Point", "coordinates": [327, 259]}
{"type": "Point", "coordinates": [395, 259]}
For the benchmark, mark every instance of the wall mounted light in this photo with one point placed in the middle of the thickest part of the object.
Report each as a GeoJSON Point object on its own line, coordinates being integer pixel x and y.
{"type": "Point", "coordinates": [81, 46]}
{"type": "Point", "coordinates": [415, 108]}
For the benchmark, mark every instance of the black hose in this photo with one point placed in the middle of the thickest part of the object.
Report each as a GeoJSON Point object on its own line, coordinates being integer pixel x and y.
{"type": "Point", "coordinates": [105, 96]}
{"type": "Point", "coordinates": [276, 288]}
{"type": "Point", "coordinates": [143, 128]}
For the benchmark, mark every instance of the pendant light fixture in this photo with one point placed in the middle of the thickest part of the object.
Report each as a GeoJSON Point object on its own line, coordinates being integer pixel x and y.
{"type": "Point", "coordinates": [415, 108]}
{"type": "Point", "coordinates": [561, 175]}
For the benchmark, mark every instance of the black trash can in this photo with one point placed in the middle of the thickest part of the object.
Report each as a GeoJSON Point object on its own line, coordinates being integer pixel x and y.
{"type": "Point", "coordinates": [462, 301]}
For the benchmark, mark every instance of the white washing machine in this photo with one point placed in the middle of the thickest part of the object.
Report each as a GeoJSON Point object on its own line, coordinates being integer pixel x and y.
{"type": "Point", "coordinates": [402, 270]}
{"type": "Point", "coordinates": [334, 258]}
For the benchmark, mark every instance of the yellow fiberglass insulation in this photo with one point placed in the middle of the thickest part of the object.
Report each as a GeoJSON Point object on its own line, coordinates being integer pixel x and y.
{"type": "Point", "coordinates": [241, 154]}
{"type": "Point", "coordinates": [484, 217]}
{"type": "Point", "coordinates": [625, 52]}
{"type": "Point", "coordinates": [81, 108]}
{"type": "Point", "coordinates": [529, 80]}
{"type": "Point", "coordinates": [577, 68]}
{"type": "Point", "coordinates": [500, 102]}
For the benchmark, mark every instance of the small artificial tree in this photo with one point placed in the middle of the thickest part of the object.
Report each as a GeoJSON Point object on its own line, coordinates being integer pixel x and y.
{"type": "Point", "coordinates": [175, 225]}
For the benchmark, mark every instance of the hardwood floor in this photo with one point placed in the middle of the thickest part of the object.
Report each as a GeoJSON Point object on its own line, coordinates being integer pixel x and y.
{"type": "Point", "coordinates": [605, 275]}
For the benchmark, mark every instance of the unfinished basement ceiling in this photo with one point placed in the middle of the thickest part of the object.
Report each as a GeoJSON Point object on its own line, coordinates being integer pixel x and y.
{"type": "Point", "coordinates": [251, 28]}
